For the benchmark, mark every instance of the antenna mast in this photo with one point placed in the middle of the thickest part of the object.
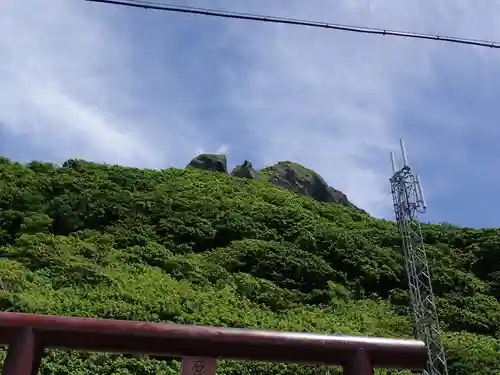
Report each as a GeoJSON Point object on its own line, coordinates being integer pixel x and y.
{"type": "Point", "coordinates": [408, 199]}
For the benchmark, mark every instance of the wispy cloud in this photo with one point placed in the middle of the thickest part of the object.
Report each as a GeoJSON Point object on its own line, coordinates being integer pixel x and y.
{"type": "Point", "coordinates": [147, 88]}
{"type": "Point", "coordinates": [61, 83]}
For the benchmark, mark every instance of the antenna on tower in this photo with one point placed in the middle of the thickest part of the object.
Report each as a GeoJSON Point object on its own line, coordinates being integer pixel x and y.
{"type": "Point", "coordinates": [403, 153]}
{"type": "Point", "coordinates": [393, 162]}
{"type": "Point", "coordinates": [420, 191]}
{"type": "Point", "coordinates": [408, 199]}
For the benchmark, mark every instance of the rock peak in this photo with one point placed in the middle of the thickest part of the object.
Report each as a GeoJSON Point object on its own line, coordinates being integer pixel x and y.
{"type": "Point", "coordinates": [210, 162]}
{"type": "Point", "coordinates": [304, 181]}
{"type": "Point", "coordinates": [246, 170]}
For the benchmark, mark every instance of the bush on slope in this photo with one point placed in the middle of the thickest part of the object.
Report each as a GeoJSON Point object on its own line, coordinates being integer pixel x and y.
{"type": "Point", "coordinates": [199, 247]}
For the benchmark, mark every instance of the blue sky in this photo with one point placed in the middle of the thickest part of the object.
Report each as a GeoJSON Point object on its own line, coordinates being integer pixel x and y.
{"type": "Point", "coordinates": [152, 89]}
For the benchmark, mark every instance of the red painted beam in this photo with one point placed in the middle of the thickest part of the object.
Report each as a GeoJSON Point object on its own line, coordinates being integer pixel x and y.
{"type": "Point", "coordinates": [173, 340]}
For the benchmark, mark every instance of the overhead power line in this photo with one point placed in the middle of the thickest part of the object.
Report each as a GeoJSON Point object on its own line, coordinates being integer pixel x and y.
{"type": "Point", "coordinates": [298, 22]}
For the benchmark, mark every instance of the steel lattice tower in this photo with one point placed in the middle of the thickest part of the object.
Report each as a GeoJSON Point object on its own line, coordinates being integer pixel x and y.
{"type": "Point", "coordinates": [409, 201]}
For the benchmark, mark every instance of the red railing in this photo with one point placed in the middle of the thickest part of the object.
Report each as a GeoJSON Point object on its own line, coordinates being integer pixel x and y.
{"type": "Point", "coordinates": [28, 335]}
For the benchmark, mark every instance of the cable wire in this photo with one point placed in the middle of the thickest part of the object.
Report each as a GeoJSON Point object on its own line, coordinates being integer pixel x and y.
{"type": "Point", "coordinates": [293, 21]}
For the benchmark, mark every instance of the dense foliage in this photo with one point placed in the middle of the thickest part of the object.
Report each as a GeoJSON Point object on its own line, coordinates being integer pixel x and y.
{"type": "Point", "coordinates": [197, 247]}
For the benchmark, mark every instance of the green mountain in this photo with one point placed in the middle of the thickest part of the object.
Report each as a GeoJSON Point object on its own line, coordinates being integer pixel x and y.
{"type": "Point", "coordinates": [201, 247]}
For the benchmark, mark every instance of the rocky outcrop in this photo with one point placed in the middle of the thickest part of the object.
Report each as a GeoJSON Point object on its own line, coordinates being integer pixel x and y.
{"type": "Point", "coordinates": [285, 174]}
{"type": "Point", "coordinates": [246, 170]}
{"type": "Point", "coordinates": [303, 181]}
{"type": "Point", "coordinates": [210, 162]}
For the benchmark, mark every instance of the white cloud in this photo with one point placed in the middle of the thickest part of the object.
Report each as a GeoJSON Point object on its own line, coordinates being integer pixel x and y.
{"type": "Point", "coordinates": [68, 87]}
{"type": "Point", "coordinates": [58, 88]}
{"type": "Point", "coordinates": [223, 149]}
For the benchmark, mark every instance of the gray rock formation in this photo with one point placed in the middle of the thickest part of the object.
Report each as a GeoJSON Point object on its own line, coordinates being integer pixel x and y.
{"type": "Point", "coordinates": [210, 162]}
{"type": "Point", "coordinates": [246, 170]}
{"type": "Point", "coordinates": [303, 181]}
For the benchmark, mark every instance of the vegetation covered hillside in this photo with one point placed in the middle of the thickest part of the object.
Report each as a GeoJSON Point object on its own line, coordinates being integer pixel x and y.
{"type": "Point", "coordinates": [199, 247]}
